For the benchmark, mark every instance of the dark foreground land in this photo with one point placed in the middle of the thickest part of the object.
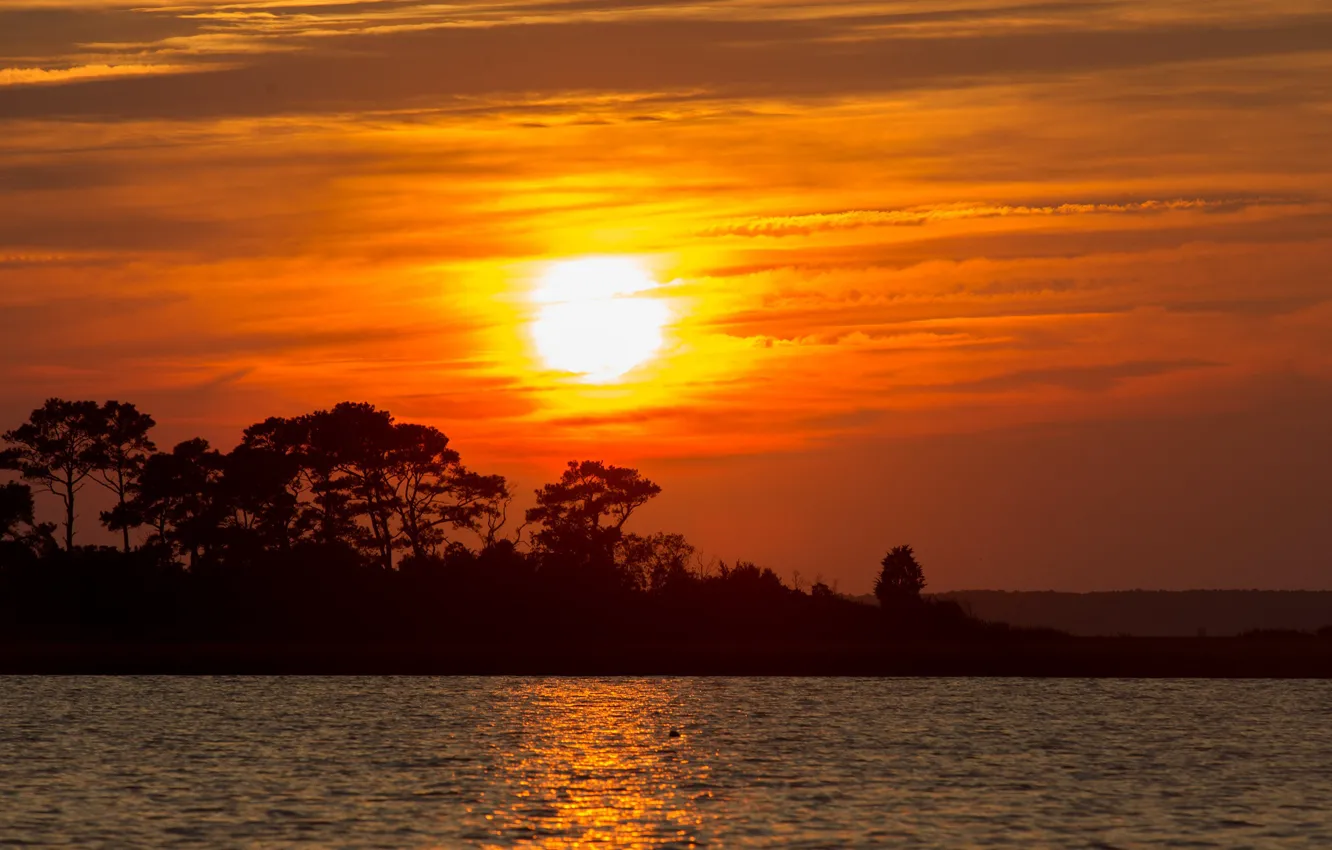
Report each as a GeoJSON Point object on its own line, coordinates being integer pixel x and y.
{"type": "Point", "coordinates": [1158, 613]}
{"type": "Point", "coordinates": [338, 542]}
{"type": "Point", "coordinates": [1248, 657]}
{"type": "Point", "coordinates": [553, 612]}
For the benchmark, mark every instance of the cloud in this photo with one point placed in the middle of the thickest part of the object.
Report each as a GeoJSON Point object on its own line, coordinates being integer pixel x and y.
{"type": "Point", "coordinates": [321, 70]}
{"type": "Point", "coordinates": [803, 225]}
{"type": "Point", "coordinates": [1078, 378]}
{"type": "Point", "coordinates": [479, 397]}
{"type": "Point", "coordinates": [1035, 243]}
{"type": "Point", "coordinates": [80, 73]}
{"type": "Point", "coordinates": [1261, 307]}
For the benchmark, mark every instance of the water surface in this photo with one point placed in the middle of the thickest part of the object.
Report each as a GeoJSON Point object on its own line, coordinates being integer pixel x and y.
{"type": "Point", "coordinates": [424, 762]}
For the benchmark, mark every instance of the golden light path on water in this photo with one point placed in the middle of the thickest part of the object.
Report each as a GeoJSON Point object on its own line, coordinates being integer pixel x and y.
{"type": "Point", "coordinates": [595, 766]}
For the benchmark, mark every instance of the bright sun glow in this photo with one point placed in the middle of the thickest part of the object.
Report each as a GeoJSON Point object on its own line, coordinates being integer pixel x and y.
{"type": "Point", "coordinates": [597, 318]}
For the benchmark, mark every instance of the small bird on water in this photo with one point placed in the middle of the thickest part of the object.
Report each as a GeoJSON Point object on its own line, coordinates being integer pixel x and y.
{"type": "Point", "coordinates": [675, 733]}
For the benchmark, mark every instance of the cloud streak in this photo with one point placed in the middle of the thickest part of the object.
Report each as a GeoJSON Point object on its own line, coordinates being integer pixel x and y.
{"type": "Point", "coordinates": [429, 57]}
{"type": "Point", "coordinates": [83, 73]}
{"type": "Point", "coordinates": [803, 225]}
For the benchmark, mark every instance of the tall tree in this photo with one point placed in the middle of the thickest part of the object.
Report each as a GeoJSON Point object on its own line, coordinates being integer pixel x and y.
{"type": "Point", "coordinates": [271, 469]}
{"type": "Point", "coordinates": [420, 466]}
{"type": "Point", "coordinates": [901, 578]}
{"type": "Point", "coordinates": [57, 449]}
{"type": "Point", "coordinates": [349, 454]}
{"type": "Point", "coordinates": [122, 446]}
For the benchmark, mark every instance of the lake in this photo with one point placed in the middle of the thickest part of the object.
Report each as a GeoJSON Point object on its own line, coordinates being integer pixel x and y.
{"type": "Point", "coordinates": [445, 762]}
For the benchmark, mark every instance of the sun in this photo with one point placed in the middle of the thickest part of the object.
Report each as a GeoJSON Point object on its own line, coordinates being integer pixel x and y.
{"type": "Point", "coordinates": [598, 319]}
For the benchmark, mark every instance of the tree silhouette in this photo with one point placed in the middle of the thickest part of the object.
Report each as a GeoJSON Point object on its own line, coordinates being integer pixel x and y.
{"type": "Point", "coordinates": [820, 590]}
{"type": "Point", "coordinates": [179, 498]}
{"type": "Point", "coordinates": [656, 562]}
{"type": "Point", "coordinates": [571, 510]}
{"type": "Point", "coordinates": [57, 449]}
{"type": "Point", "coordinates": [417, 482]}
{"type": "Point", "coordinates": [403, 479]}
{"type": "Point", "coordinates": [747, 580]}
{"type": "Point", "coordinates": [590, 491]}
{"type": "Point", "coordinates": [353, 476]}
{"type": "Point", "coordinates": [900, 580]}
{"type": "Point", "coordinates": [255, 487]}
{"type": "Point", "coordinates": [271, 467]}
{"type": "Point", "coordinates": [16, 510]}
{"type": "Point", "coordinates": [349, 453]}
{"type": "Point", "coordinates": [20, 533]}
{"type": "Point", "coordinates": [477, 503]}
{"type": "Point", "coordinates": [121, 448]}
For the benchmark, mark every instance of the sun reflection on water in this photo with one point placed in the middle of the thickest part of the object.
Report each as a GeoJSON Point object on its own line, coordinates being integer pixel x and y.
{"type": "Point", "coordinates": [595, 763]}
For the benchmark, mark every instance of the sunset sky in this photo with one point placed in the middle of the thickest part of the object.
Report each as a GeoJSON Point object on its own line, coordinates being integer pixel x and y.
{"type": "Point", "coordinates": [1042, 288]}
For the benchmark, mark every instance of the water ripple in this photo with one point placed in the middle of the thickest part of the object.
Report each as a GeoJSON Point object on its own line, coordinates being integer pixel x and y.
{"type": "Point", "coordinates": [499, 762]}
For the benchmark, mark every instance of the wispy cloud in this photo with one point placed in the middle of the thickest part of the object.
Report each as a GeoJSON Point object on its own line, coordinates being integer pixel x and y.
{"type": "Point", "coordinates": [803, 225]}
{"type": "Point", "coordinates": [80, 73]}
{"type": "Point", "coordinates": [1094, 378]}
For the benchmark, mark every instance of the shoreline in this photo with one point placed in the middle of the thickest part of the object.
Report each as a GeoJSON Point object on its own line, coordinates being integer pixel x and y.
{"type": "Point", "coordinates": [1117, 657]}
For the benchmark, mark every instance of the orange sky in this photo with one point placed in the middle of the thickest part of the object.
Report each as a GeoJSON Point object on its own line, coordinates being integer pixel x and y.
{"type": "Point", "coordinates": [1044, 289]}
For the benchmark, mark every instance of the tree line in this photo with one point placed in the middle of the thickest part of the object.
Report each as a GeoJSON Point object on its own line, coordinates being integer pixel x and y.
{"type": "Point", "coordinates": [350, 475]}
{"type": "Point", "coordinates": [314, 507]}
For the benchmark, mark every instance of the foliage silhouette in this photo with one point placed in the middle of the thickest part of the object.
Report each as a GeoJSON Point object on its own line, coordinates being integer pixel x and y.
{"type": "Point", "coordinates": [21, 536]}
{"type": "Point", "coordinates": [345, 525]}
{"type": "Point", "coordinates": [900, 580]}
{"type": "Point", "coordinates": [122, 447]}
{"type": "Point", "coordinates": [57, 449]}
{"type": "Point", "coordinates": [16, 510]}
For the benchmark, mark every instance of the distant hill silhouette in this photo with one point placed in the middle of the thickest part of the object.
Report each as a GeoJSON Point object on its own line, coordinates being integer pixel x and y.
{"type": "Point", "coordinates": [1156, 613]}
